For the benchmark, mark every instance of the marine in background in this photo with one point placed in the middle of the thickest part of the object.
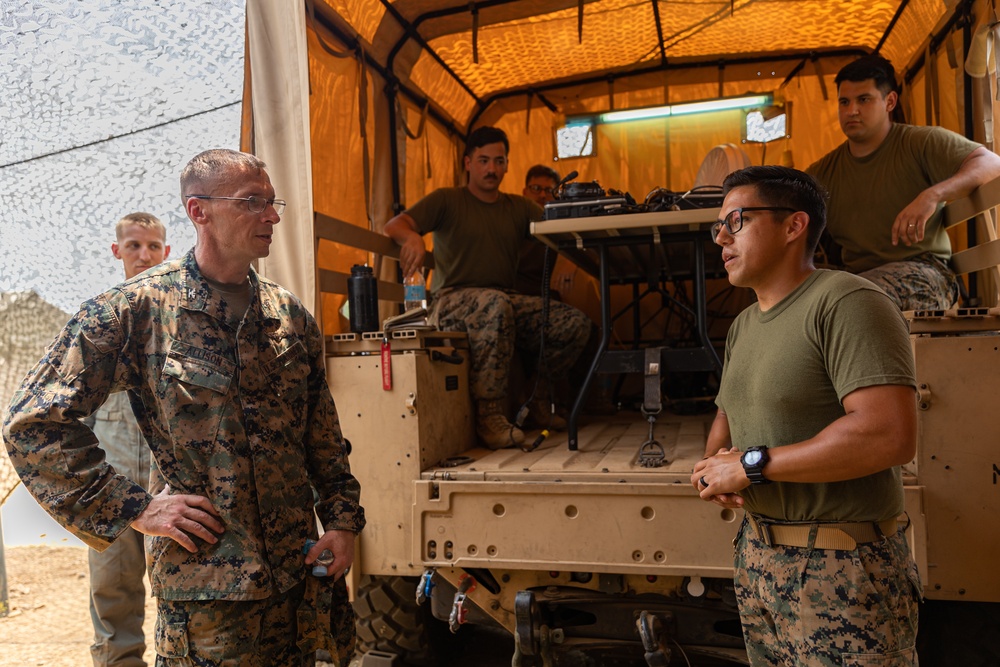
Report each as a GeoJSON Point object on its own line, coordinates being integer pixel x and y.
{"type": "Point", "coordinates": [117, 591]}
{"type": "Point", "coordinates": [887, 185]}
{"type": "Point", "coordinates": [540, 184]}
{"type": "Point", "coordinates": [478, 233]}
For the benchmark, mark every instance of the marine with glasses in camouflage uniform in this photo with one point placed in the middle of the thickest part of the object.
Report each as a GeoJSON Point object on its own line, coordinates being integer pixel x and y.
{"type": "Point", "coordinates": [478, 232]}
{"type": "Point", "coordinates": [225, 374]}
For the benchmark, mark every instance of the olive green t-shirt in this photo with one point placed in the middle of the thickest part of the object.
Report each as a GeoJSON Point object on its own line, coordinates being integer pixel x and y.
{"type": "Point", "coordinates": [476, 244]}
{"type": "Point", "coordinates": [788, 369]}
{"type": "Point", "coordinates": [867, 193]}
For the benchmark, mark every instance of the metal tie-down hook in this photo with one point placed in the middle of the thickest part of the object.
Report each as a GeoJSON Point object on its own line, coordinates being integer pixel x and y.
{"type": "Point", "coordinates": [651, 453]}
{"type": "Point", "coordinates": [458, 609]}
{"type": "Point", "coordinates": [424, 586]}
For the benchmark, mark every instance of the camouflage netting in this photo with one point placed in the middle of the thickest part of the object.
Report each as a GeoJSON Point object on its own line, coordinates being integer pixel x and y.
{"type": "Point", "coordinates": [109, 101]}
{"type": "Point", "coordinates": [27, 326]}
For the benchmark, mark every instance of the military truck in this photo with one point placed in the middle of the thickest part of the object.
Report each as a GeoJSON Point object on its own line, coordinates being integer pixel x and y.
{"type": "Point", "coordinates": [583, 549]}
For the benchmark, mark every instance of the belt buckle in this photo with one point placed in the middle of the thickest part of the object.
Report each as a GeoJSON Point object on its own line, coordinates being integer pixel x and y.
{"type": "Point", "coordinates": [764, 532]}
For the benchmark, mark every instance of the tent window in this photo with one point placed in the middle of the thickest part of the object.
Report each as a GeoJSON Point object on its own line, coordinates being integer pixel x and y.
{"type": "Point", "coordinates": [575, 140]}
{"type": "Point", "coordinates": [767, 125]}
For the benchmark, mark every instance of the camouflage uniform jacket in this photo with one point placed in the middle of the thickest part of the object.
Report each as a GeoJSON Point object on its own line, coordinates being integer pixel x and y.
{"type": "Point", "coordinates": [242, 416]}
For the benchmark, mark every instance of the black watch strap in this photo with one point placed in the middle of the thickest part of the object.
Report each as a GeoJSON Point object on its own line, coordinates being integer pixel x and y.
{"type": "Point", "coordinates": [754, 460]}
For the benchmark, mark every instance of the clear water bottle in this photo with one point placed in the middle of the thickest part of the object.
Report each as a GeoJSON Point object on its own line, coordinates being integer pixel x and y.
{"type": "Point", "coordinates": [415, 291]}
{"type": "Point", "coordinates": [322, 562]}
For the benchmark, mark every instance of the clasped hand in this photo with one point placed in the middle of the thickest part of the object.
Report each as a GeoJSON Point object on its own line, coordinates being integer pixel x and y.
{"type": "Point", "coordinates": [719, 478]}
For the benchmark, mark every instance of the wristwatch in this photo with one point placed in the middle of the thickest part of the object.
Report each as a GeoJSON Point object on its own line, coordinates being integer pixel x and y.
{"type": "Point", "coordinates": [754, 460]}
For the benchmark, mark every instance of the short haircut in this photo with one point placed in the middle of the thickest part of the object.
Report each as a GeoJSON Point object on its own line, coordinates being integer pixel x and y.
{"type": "Point", "coordinates": [872, 66]}
{"type": "Point", "coordinates": [541, 171]}
{"type": "Point", "coordinates": [483, 136]}
{"type": "Point", "coordinates": [787, 187]}
{"type": "Point", "coordinates": [140, 219]}
{"type": "Point", "coordinates": [207, 169]}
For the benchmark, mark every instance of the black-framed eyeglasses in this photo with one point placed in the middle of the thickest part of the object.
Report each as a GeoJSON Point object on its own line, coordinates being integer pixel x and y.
{"type": "Point", "coordinates": [538, 189]}
{"type": "Point", "coordinates": [733, 221]}
{"type": "Point", "coordinates": [254, 204]}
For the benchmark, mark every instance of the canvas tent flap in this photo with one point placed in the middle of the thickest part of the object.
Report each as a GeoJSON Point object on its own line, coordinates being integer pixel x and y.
{"type": "Point", "coordinates": [279, 85]}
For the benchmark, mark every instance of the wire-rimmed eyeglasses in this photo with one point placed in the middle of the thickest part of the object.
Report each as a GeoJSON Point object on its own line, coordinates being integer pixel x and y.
{"type": "Point", "coordinates": [254, 204]}
{"type": "Point", "coordinates": [538, 189]}
{"type": "Point", "coordinates": [733, 221]}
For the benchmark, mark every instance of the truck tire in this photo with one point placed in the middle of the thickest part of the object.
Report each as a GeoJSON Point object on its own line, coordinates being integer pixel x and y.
{"type": "Point", "coordinates": [390, 620]}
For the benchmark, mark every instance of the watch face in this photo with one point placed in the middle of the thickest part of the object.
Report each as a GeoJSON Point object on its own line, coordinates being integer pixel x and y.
{"type": "Point", "coordinates": [752, 458]}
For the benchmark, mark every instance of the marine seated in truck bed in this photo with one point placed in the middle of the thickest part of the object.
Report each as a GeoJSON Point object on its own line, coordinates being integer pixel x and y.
{"type": "Point", "coordinates": [478, 232]}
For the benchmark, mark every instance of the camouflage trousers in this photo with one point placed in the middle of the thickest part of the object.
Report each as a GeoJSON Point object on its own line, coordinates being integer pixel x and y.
{"type": "Point", "coordinates": [825, 607]}
{"type": "Point", "coordinates": [498, 322]}
{"type": "Point", "coordinates": [925, 282]}
{"type": "Point", "coordinates": [282, 631]}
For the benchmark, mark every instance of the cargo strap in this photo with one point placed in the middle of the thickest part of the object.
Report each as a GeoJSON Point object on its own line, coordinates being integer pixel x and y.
{"type": "Point", "coordinates": [840, 536]}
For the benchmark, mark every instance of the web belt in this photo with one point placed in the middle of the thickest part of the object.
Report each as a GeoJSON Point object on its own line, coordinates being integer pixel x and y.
{"type": "Point", "coordinates": [842, 536]}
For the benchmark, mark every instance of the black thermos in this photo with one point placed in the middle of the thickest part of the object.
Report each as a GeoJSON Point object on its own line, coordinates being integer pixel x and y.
{"type": "Point", "coordinates": [362, 295]}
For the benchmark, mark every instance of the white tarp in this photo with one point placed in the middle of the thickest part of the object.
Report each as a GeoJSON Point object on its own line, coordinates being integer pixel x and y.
{"type": "Point", "coordinates": [280, 88]}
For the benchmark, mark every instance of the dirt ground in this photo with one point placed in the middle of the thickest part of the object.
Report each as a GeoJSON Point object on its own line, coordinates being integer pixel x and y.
{"type": "Point", "coordinates": [49, 620]}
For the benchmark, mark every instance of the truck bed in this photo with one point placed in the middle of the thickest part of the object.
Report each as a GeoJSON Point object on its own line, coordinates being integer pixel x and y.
{"type": "Point", "coordinates": [434, 498]}
{"type": "Point", "coordinates": [608, 450]}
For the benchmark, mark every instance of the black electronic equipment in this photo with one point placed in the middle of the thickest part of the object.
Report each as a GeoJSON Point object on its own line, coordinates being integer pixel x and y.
{"type": "Point", "coordinates": [706, 196]}
{"type": "Point", "coordinates": [584, 208]}
{"type": "Point", "coordinates": [581, 190]}
{"type": "Point", "coordinates": [584, 200]}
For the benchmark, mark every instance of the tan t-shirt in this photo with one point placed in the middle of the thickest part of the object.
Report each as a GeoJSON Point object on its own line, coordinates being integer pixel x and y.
{"type": "Point", "coordinates": [476, 244]}
{"type": "Point", "coordinates": [787, 371]}
{"type": "Point", "coordinates": [867, 193]}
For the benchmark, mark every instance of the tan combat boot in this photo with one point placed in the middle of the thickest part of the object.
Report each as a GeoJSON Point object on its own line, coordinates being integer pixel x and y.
{"type": "Point", "coordinates": [540, 415]}
{"type": "Point", "coordinates": [493, 428]}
